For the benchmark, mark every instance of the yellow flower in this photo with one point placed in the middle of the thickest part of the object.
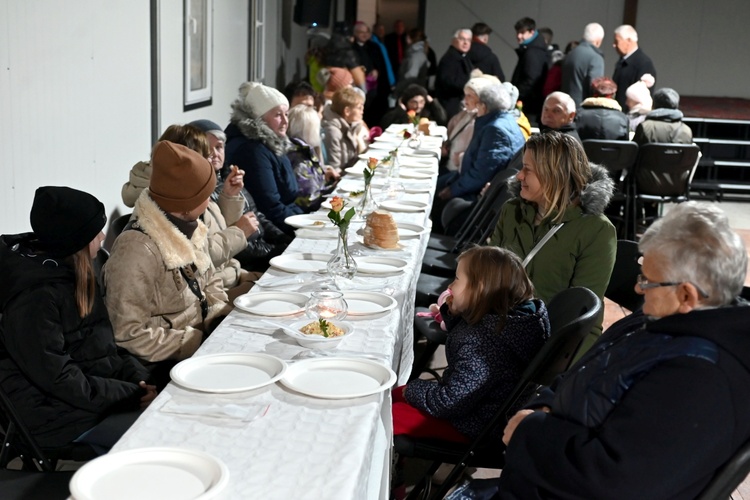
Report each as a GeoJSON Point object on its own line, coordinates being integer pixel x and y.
{"type": "Point", "coordinates": [372, 163]}
{"type": "Point", "coordinates": [337, 203]}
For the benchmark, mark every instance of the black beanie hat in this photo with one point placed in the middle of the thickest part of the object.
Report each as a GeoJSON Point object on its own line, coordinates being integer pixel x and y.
{"type": "Point", "coordinates": [65, 220]}
{"type": "Point", "coordinates": [206, 125]}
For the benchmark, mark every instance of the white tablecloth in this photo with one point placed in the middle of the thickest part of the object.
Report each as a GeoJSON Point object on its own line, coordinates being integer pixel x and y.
{"type": "Point", "coordinates": [302, 448]}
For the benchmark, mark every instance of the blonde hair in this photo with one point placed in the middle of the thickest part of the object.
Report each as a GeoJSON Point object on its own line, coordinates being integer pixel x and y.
{"type": "Point", "coordinates": [85, 289]}
{"type": "Point", "coordinates": [304, 123]}
{"type": "Point", "coordinates": [562, 168]}
{"type": "Point", "coordinates": [497, 282]}
{"type": "Point", "coordinates": [346, 97]}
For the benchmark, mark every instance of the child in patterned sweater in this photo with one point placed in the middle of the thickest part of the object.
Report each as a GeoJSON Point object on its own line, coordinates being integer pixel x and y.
{"type": "Point", "coordinates": [495, 328]}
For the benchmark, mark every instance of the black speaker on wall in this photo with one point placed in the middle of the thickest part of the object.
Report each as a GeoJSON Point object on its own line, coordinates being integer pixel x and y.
{"type": "Point", "coordinates": [312, 12]}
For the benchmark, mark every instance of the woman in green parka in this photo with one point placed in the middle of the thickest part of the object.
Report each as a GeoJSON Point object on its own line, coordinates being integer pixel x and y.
{"type": "Point", "coordinates": [559, 190]}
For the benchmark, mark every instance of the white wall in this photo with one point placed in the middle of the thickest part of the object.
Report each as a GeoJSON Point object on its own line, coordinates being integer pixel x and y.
{"type": "Point", "coordinates": [698, 46]}
{"type": "Point", "coordinates": [74, 99]}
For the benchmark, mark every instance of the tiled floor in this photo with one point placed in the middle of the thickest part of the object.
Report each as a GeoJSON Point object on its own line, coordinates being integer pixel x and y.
{"type": "Point", "coordinates": [739, 216]}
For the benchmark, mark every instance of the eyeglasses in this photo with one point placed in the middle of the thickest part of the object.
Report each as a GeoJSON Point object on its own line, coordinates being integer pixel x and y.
{"type": "Point", "coordinates": [644, 284]}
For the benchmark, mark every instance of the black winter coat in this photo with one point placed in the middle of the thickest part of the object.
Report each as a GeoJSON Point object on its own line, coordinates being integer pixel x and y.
{"type": "Point", "coordinates": [454, 70]}
{"type": "Point", "coordinates": [596, 120]}
{"type": "Point", "coordinates": [649, 412]}
{"type": "Point", "coordinates": [62, 373]}
{"type": "Point", "coordinates": [530, 73]}
{"type": "Point", "coordinates": [482, 57]}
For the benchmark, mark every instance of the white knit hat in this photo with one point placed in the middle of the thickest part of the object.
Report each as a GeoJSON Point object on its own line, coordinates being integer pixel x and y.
{"type": "Point", "coordinates": [257, 99]}
{"type": "Point", "coordinates": [477, 83]}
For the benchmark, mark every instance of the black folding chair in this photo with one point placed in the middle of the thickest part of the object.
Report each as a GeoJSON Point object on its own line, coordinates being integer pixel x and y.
{"type": "Point", "coordinates": [621, 287]}
{"type": "Point", "coordinates": [729, 476]}
{"type": "Point", "coordinates": [18, 442]}
{"type": "Point", "coordinates": [662, 174]}
{"type": "Point", "coordinates": [572, 313]}
{"type": "Point", "coordinates": [618, 157]}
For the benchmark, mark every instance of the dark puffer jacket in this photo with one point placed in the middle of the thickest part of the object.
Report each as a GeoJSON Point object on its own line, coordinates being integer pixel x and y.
{"type": "Point", "coordinates": [602, 118]}
{"type": "Point", "coordinates": [62, 373]}
{"type": "Point", "coordinates": [483, 366]}
{"type": "Point", "coordinates": [269, 176]}
{"type": "Point", "coordinates": [650, 412]}
{"type": "Point", "coordinates": [530, 73]}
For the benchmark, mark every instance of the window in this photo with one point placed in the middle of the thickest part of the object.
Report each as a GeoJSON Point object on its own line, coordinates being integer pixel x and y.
{"type": "Point", "coordinates": [257, 40]}
{"type": "Point", "coordinates": [198, 63]}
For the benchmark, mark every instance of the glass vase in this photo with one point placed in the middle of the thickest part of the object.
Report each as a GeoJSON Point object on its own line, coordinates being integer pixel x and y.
{"type": "Point", "coordinates": [342, 263]}
{"type": "Point", "coordinates": [367, 204]}
{"type": "Point", "coordinates": [415, 140]}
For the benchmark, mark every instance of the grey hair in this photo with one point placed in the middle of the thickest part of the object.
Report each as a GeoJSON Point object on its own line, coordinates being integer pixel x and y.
{"type": "Point", "coordinates": [593, 32]}
{"type": "Point", "coordinates": [627, 32]}
{"type": "Point", "coordinates": [462, 30]}
{"type": "Point", "coordinates": [564, 99]}
{"type": "Point", "coordinates": [219, 134]}
{"type": "Point", "coordinates": [304, 123]}
{"type": "Point", "coordinates": [699, 247]}
{"type": "Point", "coordinates": [495, 97]}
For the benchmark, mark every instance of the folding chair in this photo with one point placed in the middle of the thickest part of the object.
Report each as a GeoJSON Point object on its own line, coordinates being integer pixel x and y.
{"type": "Point", "coordinates": [572, 313]}
{"type": "Point", "coordinates": [621, 287]}
{"type": "Point", "coordinates": [618, 157]}
{"type": "Point", "coordinates": [729, 476]}
{"type": "Point", "coordinates": [18, 442]}
{"type": "Point", "coordinates": [662, 174]}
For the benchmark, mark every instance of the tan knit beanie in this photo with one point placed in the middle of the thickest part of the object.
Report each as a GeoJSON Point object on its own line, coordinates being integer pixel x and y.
{"type": "Point", "coordinates": [181, 179]}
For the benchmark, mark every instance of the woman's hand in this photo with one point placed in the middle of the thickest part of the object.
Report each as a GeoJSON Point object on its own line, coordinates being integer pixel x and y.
{"type": "Point", "coordinates": [233, 184]}
{"type": "Point", "coordinates": [516, 419]}
{"type": "Point", "coordinates": [445, 193]}
{"type": "Point", "coordinates": [332, 175]}
{"type": "Point", "coordinates": [149, 396]}
{"type": "Point", "coordinates": [248, 223]}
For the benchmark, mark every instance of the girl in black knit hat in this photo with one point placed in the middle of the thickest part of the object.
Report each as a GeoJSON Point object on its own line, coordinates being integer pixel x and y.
{"type": "Point", "coordinates": [59, 365]}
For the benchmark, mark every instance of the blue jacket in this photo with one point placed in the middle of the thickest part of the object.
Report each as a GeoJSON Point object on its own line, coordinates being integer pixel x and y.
{"type": "Point", "coordinates": [483, 366]}
{"type": "Point", "coordinates": [269, 178]}
{"type": "Point", "coordinates": [496, 139]}
{"type": "Point", "coordinates": [649, 412]}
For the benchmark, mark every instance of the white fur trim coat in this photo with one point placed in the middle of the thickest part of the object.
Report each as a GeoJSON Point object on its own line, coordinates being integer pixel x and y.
{"type": "Point", "coordinates": [154, 313]}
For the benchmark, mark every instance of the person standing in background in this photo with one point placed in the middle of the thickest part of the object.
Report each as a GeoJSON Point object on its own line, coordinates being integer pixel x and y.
{"type": "Point", "coordinates": [633, 63]}
{"type": "Point", "coordinates": [395, 43]}
{"type": "Point", "coordinates": [454, 70]}
{"type": "Point", "coordinates": [583, 64]}
{"type": "Point", "coordinates": [532, 66]}
{"type": "Point", "coordinates": [481, 55]}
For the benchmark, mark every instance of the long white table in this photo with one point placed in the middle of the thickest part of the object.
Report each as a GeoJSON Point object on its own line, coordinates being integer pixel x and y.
{"type": "Point", "coordinates": [303, 447]}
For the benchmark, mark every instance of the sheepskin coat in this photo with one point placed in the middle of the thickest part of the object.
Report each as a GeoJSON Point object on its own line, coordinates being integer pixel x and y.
{"type": "Point", "coordinates": [154, 314]}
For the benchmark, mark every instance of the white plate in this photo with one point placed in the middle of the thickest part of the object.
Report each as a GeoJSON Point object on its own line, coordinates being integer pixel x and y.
{"type": "Point", "coordinates": [379, 265]}
{"type": "Point", "coordinates": [220, 373]}
{"type": "Point", "coordinates": [416, 174]}
{"type": "Point", "coordinates": [404, 206]}
{"type": "Point", "coordinates": [309, 221]}
{"type": "Point", "coordinates": [387, 146]}
{"type": "Point", "coordinates": [301, 262]}
{"type": "Point", "coordinates": [272, 303]}
{"type": "Point", "coordinates": [417, 189]}
{"type": "Point", "coordinates": [151, 474]}
{"type": "Point", "coordinates": [406, 231]}
{"type": "Point", "coordinates": [338, 378]}
{"type": "Point", "coordinates": [364, 303]}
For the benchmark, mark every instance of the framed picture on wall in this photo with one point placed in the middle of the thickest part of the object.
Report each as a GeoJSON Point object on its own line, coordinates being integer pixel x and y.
{"type": "Point", "coordinates": [198, 53]}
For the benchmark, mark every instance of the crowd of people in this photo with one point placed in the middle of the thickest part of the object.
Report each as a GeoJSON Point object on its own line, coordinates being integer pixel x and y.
{"type": "Point", "coordinates": [82, 353]}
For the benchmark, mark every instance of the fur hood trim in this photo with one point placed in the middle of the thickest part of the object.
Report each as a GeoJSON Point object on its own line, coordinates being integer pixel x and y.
{"type": "Point", "coordinates": [176, 250]}
{"type": "Point", "coordinates": [601, 102]}
{"type": "Point", "coordinates": [595, 195]}
{"type": "Point", "coordinates": [255, 128]}
{"type": "Point", "coordinates": [665, 115]}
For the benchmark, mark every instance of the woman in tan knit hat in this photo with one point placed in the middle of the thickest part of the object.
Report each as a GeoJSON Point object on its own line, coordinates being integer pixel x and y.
{"type": "Point", "coordinates": [162, 293]}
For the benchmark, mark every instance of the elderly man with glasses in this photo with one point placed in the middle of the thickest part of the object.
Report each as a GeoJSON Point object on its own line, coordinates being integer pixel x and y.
{"type": "Point", "coordinates": [453, 71]}
{"type": "Point", "coordinates": [660, 402]}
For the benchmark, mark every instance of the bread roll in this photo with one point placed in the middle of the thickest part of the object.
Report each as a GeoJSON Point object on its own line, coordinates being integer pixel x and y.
{"type": "Point", "coordinates": [381, 230]}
